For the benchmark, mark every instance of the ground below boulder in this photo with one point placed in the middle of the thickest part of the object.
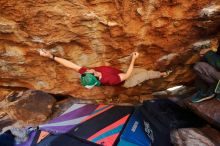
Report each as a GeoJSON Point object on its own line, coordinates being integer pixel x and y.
{"type": "Point", "coordinates": [206, 136]}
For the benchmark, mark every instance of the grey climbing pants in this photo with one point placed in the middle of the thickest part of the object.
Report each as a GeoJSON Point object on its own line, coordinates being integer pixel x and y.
{"type": "Point", "coordinates": [207, 72]}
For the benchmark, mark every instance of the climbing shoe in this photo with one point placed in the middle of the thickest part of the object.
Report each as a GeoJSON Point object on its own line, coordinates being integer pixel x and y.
{"type": "Point", "coordinates": [201, 96]}
{"type": "Point", "coordinates": [167, 73]}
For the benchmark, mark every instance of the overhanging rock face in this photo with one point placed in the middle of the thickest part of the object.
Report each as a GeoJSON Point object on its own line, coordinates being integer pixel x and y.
{"type": "Point", "coordinates": [102, 32]}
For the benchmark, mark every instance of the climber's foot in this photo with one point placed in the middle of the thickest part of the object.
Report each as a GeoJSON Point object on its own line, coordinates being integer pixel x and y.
{"type": "Point", "coordinates": [166, 73]}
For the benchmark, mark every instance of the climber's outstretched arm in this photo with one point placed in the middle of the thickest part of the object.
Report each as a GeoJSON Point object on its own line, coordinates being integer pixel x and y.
{"type": "Point", "coordinates": [67, 63]}
{"type": "Point", "coordinates": [124, 76]}
{"type": "Point", "coordinates": [62, 61]}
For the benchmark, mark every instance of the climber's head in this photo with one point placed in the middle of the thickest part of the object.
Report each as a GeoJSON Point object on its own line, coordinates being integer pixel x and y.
{"type": "Point", "coordinates": [88, 80]}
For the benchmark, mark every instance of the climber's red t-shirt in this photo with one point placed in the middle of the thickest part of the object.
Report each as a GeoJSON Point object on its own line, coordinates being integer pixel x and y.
{"type": "Point", "coordinates": [110, 75]}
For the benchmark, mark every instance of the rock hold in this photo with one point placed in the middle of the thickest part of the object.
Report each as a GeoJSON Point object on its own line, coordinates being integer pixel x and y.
{"type": "Point", "coordinates": [210, 10]}
{"type": "Point", "coordinates": [7, 26]}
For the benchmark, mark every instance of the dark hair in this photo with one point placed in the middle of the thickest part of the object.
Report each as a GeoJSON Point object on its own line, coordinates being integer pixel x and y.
{"type": "Point", "coordinates": [83, 75]}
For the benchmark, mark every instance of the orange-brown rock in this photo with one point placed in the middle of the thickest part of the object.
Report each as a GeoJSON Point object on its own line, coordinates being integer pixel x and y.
{"type": "Point", "coordinates": [30, 107]}
{"type": "Point", "coordinates": [101, 32]}
{"type": "Point", "coordinates": [4, 92]}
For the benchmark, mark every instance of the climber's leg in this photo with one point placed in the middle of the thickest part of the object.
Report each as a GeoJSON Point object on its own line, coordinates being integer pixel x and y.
{"type": "Point", "coordinates": [139, 76]}
{"type": "Point", "coordinates": [207, 72]}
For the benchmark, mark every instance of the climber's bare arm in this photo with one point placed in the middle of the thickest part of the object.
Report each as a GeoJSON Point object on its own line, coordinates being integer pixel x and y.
{"type": "Point", "coordinates": [67, 63]}
{"type": "Point", "coordinates": [124, 76]}
{"type": "Point", "coordinates": [62, 61]}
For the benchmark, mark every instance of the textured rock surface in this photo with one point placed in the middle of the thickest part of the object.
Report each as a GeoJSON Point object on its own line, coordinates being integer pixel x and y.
{"type": "Point", "coordinates": [206, 136]}
{"type": "Point", "coordinates": [3, 93]}
{"type": "Point", "coordinates": [209, 110]}
{"type": "Point", "coordinates": [101, 32]}
{"type": "Point", "coordinates": [30, 106]}
{"type": "Point", "coordinates": [5, 121]}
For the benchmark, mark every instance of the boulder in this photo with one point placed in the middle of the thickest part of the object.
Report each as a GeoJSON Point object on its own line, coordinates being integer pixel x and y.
{"type": "Point", "coordinates": [30, 106]}
{"type": "Point", "coordinates": [206, 136]}
{"type": "Point", "coordinates": [167, 34]}
{"type": "Point", "coordinates": [209, 110]}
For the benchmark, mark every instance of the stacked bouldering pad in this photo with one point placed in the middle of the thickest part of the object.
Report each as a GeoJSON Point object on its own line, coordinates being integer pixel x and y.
{"type": "Point", "coordinates": [85, 125]}
{"type": "Point", "coordinates": [161, 116]}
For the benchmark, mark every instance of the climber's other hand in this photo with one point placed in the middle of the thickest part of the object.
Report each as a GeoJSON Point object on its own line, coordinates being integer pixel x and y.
{"type": "Point", "coordinates": [45, 53]}
{"type": "Point", "coordinates": [135, 55]}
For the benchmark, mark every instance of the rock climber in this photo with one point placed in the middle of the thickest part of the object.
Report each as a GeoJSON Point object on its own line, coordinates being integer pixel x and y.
{"type": "Point", "coordinates": [208, 71]}
{"type": "Point", "coordinates": [102, 75]}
